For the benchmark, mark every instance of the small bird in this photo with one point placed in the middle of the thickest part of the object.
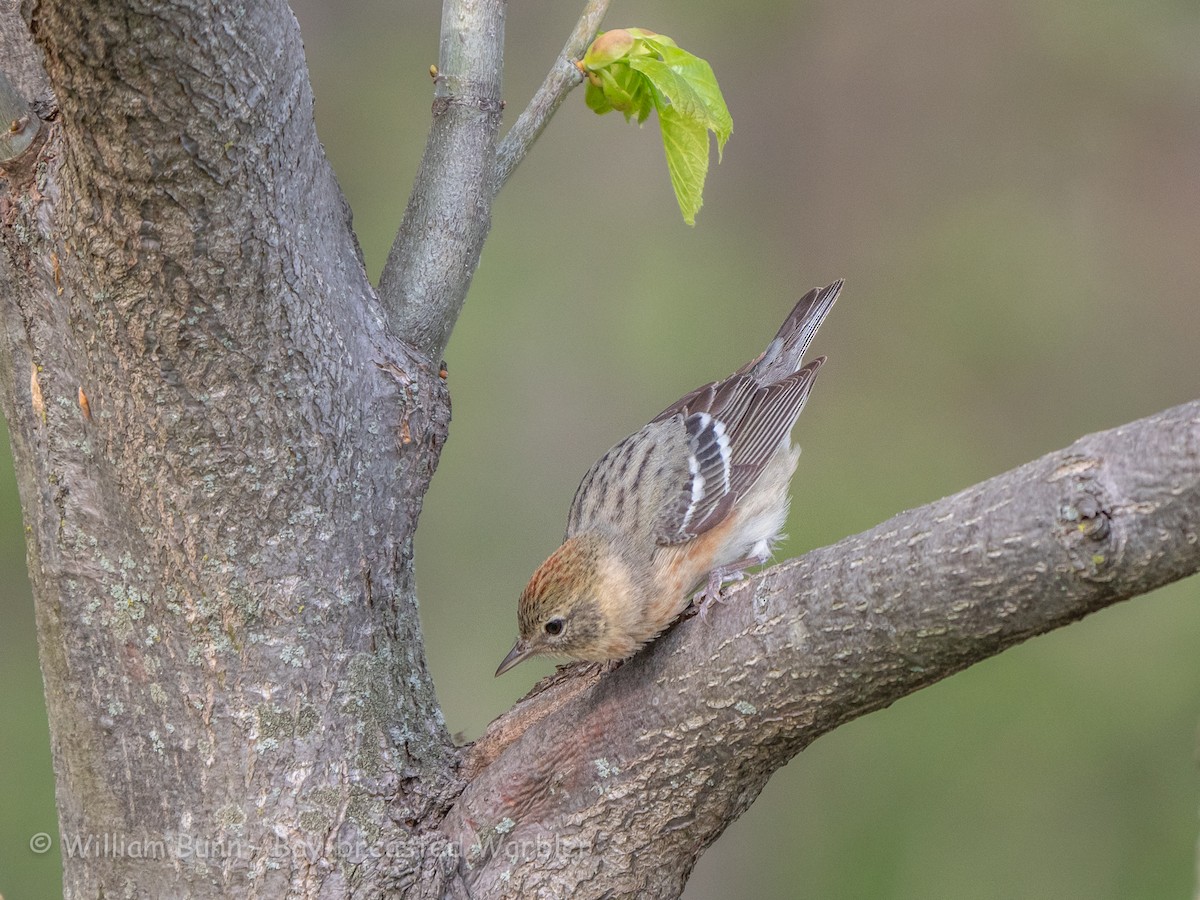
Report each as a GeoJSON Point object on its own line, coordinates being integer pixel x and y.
{"type": "Point", "coordinates": [698, 495]}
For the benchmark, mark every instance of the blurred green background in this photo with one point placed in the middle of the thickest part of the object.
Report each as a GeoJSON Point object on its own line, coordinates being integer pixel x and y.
{"type": "Point", "coordinates": [1012, 191]}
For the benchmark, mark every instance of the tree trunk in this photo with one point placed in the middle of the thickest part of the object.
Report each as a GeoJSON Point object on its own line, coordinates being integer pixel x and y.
{"type": "Point", "coordinates": [223, 438]}
{"type": "Point", "coordinates": [222, 454]}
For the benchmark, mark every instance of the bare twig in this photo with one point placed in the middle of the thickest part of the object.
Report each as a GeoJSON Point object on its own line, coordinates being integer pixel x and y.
{"type": "Point", "coordinates": [562, 78]}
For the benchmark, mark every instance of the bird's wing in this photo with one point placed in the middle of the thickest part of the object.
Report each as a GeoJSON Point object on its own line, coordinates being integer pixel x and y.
{"type": "Point", "coordinates": [682, 473]}
{"type": "Point", "coordinates": [733, 429]}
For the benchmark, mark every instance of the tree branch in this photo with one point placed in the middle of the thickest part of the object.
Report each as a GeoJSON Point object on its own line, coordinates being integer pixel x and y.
{"type": "Point", "coordinates": [429, 268]}
{"type": "Point", "coordinates": [694, 727]}
{"type": "Point", "coordinates": [433, 259]}
{"type": "Point", "coordinates": [562, 78]}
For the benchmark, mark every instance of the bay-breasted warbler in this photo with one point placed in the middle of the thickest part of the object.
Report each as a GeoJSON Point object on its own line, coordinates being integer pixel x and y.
{"type": "Point", "coordinates": [696, 496]}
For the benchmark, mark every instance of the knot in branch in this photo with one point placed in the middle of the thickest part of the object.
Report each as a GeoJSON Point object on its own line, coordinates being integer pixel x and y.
{"type": "Point", "coordinates": [1085, 519]}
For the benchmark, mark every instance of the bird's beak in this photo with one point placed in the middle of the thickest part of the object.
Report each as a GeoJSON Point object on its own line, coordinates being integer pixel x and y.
{"type": "Point", "coordinates": [519, 652]}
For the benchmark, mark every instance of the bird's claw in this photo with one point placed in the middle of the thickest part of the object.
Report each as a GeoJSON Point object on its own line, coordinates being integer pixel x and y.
{"type": "Point", "coordinates": [714, 591]}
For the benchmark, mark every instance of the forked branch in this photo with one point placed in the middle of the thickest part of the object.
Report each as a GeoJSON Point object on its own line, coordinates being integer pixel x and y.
{"type": "Point", "coordinates": [433, 259]}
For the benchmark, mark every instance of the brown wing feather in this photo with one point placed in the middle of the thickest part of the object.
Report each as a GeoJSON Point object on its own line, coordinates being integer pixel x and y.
{"type": "Point", "coordinates": [756, 437]}
{"type": "Point", "coordinates": [754, 409]}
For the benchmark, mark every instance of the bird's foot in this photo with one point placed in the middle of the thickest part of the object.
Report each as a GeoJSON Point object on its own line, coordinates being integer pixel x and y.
{"type": "Point", "coordinates": [712, 591]}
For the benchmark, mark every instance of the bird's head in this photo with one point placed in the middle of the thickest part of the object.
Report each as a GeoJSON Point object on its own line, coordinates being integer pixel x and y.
{"type": "Point", "coordinates": [574, 604]}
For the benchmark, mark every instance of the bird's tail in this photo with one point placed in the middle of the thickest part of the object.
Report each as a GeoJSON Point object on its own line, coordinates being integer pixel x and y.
{"type": "Point", "coordinates": [785, 354]}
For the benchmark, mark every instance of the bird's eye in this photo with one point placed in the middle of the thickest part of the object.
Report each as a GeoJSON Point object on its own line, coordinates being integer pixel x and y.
{"type": "Point", "coordinates": [554, 627]}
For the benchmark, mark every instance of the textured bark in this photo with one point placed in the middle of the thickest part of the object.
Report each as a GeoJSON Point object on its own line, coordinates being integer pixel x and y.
{"type": "Point", "coordinates": [222, 450]}
{"type": "Point", "coordinates": [222, 454]}
{"type": "Point", "coordinates": [20, 126]}
{"type": "Point", "coordinates": [21, 60]}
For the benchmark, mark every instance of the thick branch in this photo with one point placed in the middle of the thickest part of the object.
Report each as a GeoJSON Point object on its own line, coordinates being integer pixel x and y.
{"type": "Point", "coordinates": [563, 77]}
{"type": "Point", "coordinates": [618, 792]}
{"type": "Point", "coordinates": [429, 268]}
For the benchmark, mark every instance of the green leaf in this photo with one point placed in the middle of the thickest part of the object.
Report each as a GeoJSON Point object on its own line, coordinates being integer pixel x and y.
{"type": "Point", "coordinates": [685, 141]}
{"type": "Point", "coordinates": [678, 91]}
{"type": "Point", "coordinates": [634, 70]}
{"type": "Point", "coordinates": [596, 100]}
{"type": "Point", "coordinates": [627, 91]}
{"type": "Point", "coordinates": [699, 76]}
{"type": "Point", "coordinates": [689, 83]}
